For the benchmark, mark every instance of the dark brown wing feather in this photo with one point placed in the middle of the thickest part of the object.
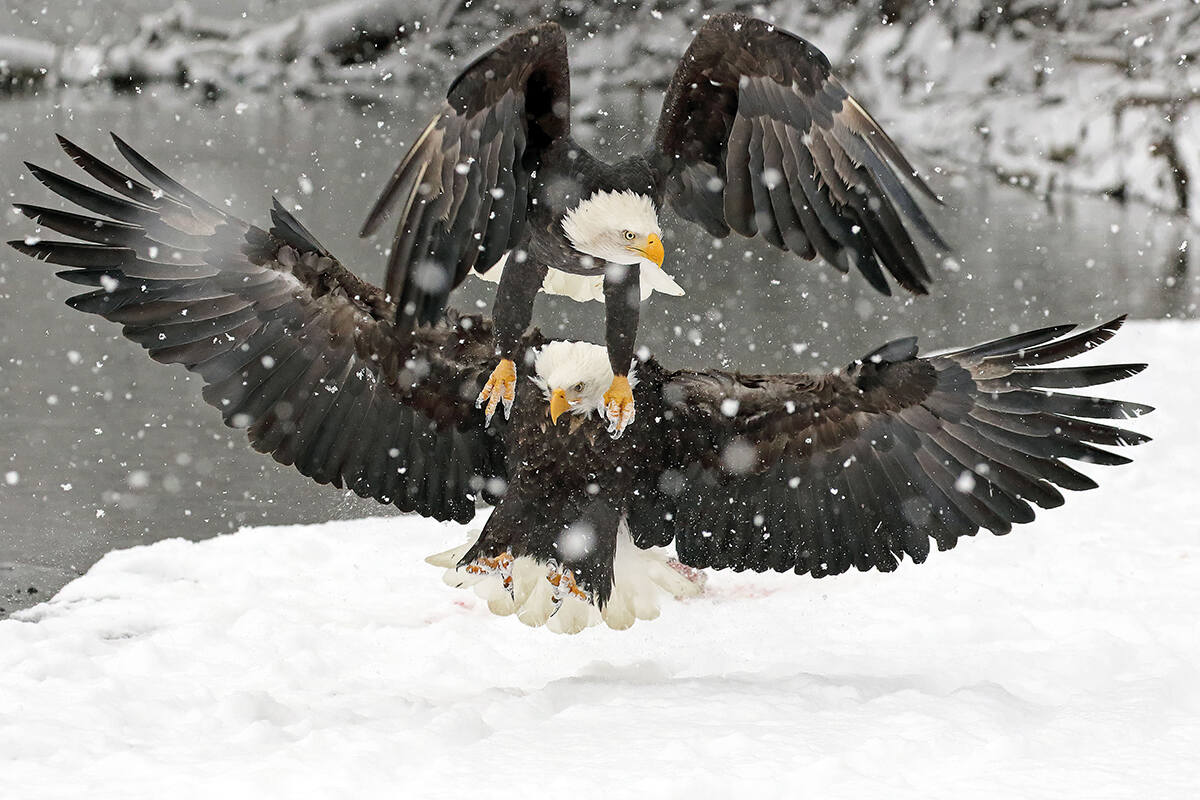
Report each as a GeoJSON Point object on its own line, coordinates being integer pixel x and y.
{"type": "Point", "coordinates": [820, 473]}
{"type": "Point", "coordinates": [463, 188]}
{"type": "Point", "coordinates": [757, 136]}
{"type": "Point", "coordinates": [291, 345]}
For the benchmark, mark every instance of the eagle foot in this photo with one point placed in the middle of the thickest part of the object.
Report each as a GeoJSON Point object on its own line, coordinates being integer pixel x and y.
{"type": "Point", "coordinates": [562, 581]}
{"type": "Point", "coordinates": [500, 566]}
{"type": "Point", "coordinates": [618, 405]}
{"type": "Point", "coordinates": [501, 387]}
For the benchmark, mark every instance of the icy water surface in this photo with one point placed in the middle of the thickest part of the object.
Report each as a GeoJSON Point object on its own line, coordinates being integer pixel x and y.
{"type": "Point", "coordinates": [101, 448]}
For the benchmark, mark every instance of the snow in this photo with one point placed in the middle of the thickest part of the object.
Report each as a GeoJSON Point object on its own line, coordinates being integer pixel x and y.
{"type": "Point", "coordinates": [1079, 101]}
{"type": "Point", "coordinates": [331, 661]}
{"type": "Point", "coordinates": [1091, 96]}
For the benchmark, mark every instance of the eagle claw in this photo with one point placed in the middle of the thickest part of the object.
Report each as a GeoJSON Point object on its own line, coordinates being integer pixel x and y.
{"type": "Point", "coordinates": [501, 387]}
{"type": "Point", "coordinates": [562, 581]}
{"type": "Point", "coordinates": [501, 566]}
{"type": "Point", "coordinates": [618, 405]}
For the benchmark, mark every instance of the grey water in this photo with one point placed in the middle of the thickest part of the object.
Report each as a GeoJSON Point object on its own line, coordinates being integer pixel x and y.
{"type": "Point", "coordinates": [100, 448]}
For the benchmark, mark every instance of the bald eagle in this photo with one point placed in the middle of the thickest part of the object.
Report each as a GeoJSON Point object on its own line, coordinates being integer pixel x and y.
{"type": "Point", "coordinates": [810, 473]}
{"type": "Point", "coordinates": [756, 136]}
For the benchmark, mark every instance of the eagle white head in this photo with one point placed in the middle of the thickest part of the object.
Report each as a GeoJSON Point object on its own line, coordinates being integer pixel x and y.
{"type": "Point", "coordinates": [574, 376]}
{"type": "Point", "coordinates": [618, 227]}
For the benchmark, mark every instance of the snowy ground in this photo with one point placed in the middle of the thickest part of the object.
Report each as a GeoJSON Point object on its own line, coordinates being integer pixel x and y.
{"type": "Point", "coordinates": [331, 661]}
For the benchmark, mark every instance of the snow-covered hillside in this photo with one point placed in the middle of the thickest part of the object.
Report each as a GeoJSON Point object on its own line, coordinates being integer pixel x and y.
{"type": "Point", "coordinates": [331, 661]}
{"type": "Point", "coordinates": [1092, 96]}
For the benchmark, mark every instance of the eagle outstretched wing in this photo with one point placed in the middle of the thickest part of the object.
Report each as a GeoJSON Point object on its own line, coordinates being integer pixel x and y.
{"type": "Point", "coordinates": [858, 468]}
{"type": "Point", "coordinates": [291, 345]}
{"type": "Point", "coordinates": [757, 136]}
{"type": "Point", "coordinates": [463, 189]}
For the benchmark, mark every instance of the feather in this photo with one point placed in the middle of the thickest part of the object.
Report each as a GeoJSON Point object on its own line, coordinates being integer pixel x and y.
{"type": "Point", "coordinates": [89, 229]}
{"type": "Point", "coordinates": [290, 344]}
{"type": "Point", "coordinates": [501, 116]}
{"type": "Point", "coordinates": [751, 100]}
{"type": "Point", "coordinates": [884, 455]}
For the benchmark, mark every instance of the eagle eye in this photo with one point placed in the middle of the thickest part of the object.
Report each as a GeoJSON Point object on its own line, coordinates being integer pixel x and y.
{"type": "Point", "coordinates": [577, 388]}
{"type": "Point", "coordinates": [629, 235]}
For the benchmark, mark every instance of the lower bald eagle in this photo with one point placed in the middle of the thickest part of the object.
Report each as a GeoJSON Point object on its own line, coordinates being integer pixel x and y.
{"type": "Point", "coordinates": [756, 136]}
{"type": "Point", "coordinates": [810, 473]}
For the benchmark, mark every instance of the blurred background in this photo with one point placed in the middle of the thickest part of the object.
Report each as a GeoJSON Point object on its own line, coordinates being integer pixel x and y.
{"type": "Point", "coordinates": [1064, 138]}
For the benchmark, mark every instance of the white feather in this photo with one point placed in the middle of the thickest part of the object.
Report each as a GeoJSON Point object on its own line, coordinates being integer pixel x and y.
{"type": "Point", "coordinates": [605, 212]}
{"type": "Point", "coordinates": [595, 227]}
{"type": "Point", "coordinates": [583, 288]}
{"type": "Point", "coordinates": [640, 580]}
{"type": "Point", "coordinates": [562, 364]}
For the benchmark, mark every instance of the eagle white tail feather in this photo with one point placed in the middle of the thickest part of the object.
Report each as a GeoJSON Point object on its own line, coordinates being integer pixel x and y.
{"type": "Point", "coordinates": [583, 288]}
{"type": "Point", "coordinates": [641, 578]}
{"type": "Point", "coordinates": [655, 279]}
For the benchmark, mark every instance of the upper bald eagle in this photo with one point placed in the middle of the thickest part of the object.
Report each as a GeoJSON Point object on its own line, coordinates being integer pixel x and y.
{"type": "Point", "coordinates": [756, 136]}
{"type": "Point", "coordinates": [805, 472]}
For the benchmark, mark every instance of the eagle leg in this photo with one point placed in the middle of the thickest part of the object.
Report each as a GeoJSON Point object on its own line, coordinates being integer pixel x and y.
{"type": "Point", "coordinates": [501, 386]}
{"type": "Point", "coordinates": [618, 405]}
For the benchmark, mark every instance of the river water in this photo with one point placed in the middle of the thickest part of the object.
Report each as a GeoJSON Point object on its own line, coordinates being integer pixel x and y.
{"type": "Point", "coordinates": [100, 448]}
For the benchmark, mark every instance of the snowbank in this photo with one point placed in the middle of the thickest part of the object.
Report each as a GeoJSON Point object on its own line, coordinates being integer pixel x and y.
{"type": "Point", "coordinates": [331, 661]}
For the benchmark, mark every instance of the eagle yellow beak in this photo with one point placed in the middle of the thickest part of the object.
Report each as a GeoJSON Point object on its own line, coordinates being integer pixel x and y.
{"type": "Point", "coordinates": [558, 405]}
{"type": "Point", "coordinates": [653, 249]}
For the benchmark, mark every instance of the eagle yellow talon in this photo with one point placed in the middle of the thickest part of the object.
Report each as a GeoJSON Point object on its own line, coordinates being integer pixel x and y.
{"type": "Point", "coordinates": [563, 581]}
{"type": "Point", "coordinates": [501, 387]}
{"type": "Point", "coordinates": [501, 565]}
{"type": "Point", "coordinates": [618, 405]}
